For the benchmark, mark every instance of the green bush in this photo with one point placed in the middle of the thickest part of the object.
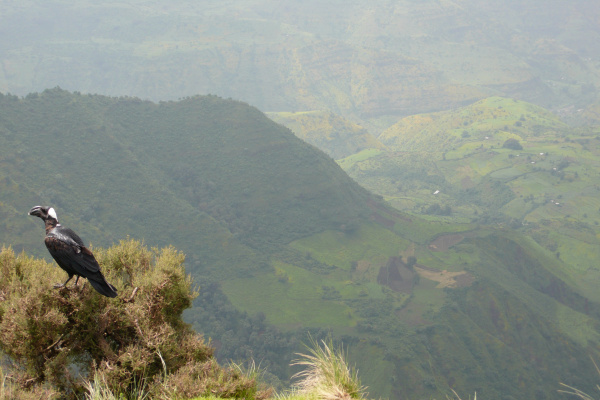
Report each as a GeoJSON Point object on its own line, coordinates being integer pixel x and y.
{"type": "Point", "coordinates": [61, 339]}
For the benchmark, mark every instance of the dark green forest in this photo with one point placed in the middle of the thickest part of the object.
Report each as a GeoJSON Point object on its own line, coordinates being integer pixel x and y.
{"type": "Point", "coordinates": [281, 242]}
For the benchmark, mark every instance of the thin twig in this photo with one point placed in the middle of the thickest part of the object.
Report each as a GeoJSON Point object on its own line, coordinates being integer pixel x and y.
{"type": "Point", "coordinates": [55, 343]}
{"type": "Point", "coordinates": [130, 299]}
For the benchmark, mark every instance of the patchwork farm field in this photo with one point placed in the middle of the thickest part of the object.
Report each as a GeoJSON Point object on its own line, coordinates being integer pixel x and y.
{"type": "Point", "coordinates": [456, 166]}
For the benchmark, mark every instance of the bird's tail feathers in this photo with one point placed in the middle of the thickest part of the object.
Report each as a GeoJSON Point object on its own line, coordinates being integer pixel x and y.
{"type": "Point", "coordinates": [103, 287]}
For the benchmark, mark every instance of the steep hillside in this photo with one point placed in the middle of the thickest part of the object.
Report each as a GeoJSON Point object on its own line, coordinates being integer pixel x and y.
{"type": "Point", "coordinates": [329, 132]}
{"type": "Point", "coordinates": [116, 164]}
{"type": "Point", "coordinates": [283, 242]}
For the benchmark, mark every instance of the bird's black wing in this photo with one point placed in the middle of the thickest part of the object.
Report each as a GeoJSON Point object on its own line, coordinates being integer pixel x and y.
{"type": "Point", "coordinates": [66, 235]}
{"type": "Point", "coordinates": [69, 252]}
{"type": "Point", "coordinates": [70, 258]}
{"type": "Point", "coordinates": [71, 255]}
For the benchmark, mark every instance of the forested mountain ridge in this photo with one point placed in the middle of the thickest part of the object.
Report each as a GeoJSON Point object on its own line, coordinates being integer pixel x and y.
{"type": "Point", "coordinates": [155, 148]}
{"type": "Point", "coordinates": [282, 241]}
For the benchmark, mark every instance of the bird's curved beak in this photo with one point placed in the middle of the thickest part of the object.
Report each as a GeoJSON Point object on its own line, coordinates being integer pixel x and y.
{"type": "Point", "coordinates": [35, 211]}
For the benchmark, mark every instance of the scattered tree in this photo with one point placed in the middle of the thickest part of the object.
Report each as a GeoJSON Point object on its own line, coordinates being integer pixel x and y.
{"type": "Point", "coordinates": [436, 209]}
{"type": "Point", "coordinates": [512, 144]}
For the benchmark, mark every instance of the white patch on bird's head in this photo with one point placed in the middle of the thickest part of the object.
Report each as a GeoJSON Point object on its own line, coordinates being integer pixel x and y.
{"type": "Point", "coordinates": [52, 213]}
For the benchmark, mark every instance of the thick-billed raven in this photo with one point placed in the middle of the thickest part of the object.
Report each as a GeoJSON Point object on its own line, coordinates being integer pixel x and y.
{"type": "Point", "coordinates": [70, 253]}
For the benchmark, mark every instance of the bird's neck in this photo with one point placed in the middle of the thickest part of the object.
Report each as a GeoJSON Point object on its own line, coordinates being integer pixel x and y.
{"type": "Point", "coordinates": [50, 223]}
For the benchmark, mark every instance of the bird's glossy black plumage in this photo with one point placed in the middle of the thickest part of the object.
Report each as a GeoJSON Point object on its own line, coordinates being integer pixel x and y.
{"type": "Point", "coordinates": [69, 252]}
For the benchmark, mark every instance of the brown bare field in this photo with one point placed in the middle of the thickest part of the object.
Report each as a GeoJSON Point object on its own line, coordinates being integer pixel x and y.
{"type": "Point", "coordinates": [446, 278]}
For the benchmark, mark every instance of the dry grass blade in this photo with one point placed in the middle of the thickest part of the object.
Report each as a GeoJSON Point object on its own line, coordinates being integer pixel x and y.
{"type": "Point", "coordinates": [458, 397]}
{"type": "Point", "coordinates": [577, 392]}
{"type": "Point", "coordinates": [4, 389]}
{"type": "Point", "coordinates": [98, 390]}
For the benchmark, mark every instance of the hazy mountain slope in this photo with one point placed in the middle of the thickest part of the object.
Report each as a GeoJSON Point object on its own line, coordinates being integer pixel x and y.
{"type": "Point", "coordinates": [591, 115]}
{"type": "Point", "coordinates": [362, 59]}
{"type": "Point", "coordinates": [228, 159]}
{"type": "Point", "coordinates": [278, 236]}
{"type": "Point", "coordinates": [71, 157]}
{"type": "Point", "coordinates": [490, 118]}
{"type": "Point", "coordinates": [329, 132]}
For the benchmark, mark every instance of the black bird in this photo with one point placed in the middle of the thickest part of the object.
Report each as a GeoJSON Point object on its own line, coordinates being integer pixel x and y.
{"type": "Point", "coordinates": [70, 253]}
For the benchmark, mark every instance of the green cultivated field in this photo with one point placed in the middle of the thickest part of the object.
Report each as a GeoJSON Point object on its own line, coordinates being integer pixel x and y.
{"type": "Point", "coordinates": [553, 180]}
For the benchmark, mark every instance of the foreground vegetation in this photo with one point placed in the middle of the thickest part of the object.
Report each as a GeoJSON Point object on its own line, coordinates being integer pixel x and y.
{"type": "Point", "coordinates": [71, 342]}
{"type": "Point", "coordinates": [56, 340]}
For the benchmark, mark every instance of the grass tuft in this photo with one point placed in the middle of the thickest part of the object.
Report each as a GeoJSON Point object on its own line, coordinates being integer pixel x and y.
{"type": "Point", "coordinates": [326, 374]}
{"type": "Point", "coordinates": [100, 390]}
{"type": "Point", "coordinates": [11, 390]}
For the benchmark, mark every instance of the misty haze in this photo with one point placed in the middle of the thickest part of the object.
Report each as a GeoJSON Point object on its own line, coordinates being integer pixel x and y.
{"type": "Point", "coordinates": [418, 180]}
